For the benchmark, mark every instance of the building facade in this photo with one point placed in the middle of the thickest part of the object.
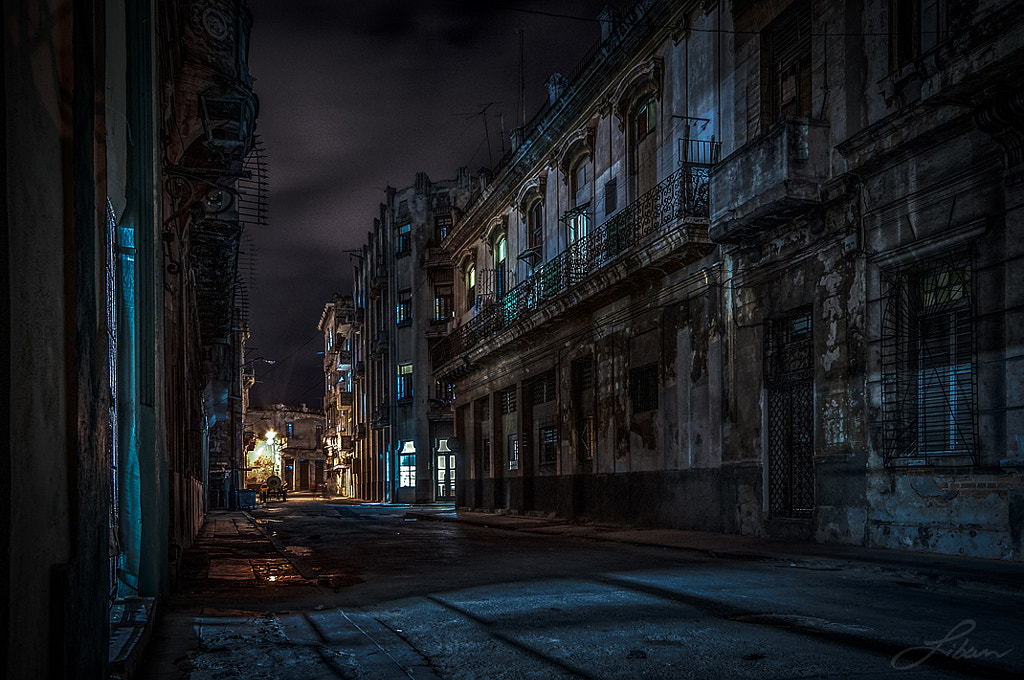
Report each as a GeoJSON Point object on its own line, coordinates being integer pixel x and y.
{"type": "Point", "coordinates": [287, 442]}
{"type": "Point", "coordinates": [404, 302]}
{"type": "Point", "coordinates": [120, 246]}
{"type": "Point", "coordinates": [337, 325]}
{"type": "Point", "coordinates": [756, 268]}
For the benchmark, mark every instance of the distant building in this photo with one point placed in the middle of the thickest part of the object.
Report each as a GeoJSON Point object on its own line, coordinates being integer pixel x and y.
{"type": "Point", "coordinates": [296, 449]}
{"type": "Point", "coordinates": [337, 323]}
{"type": "Point", "coordinates": [756, 268]}
{"type": "Point", "coordinates": [404, 303]}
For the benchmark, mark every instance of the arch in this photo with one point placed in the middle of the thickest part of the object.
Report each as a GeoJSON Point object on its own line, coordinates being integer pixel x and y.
{"type": "Point", "coordinates": [534, 189]}
{"type": "Point", "coordinates": [579, 143]}
{"type": "Point", "coordinates": [646, 79]}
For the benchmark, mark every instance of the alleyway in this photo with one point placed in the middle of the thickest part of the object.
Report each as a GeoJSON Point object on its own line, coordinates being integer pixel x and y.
{"type": "Point", "coordinates": [310, 589]}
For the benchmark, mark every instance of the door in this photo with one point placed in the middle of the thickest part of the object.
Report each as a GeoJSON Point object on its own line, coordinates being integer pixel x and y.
{"type": "Point", "coordinates": [789, 373]}
{"type": "Point", "coordinates": [445, 471]}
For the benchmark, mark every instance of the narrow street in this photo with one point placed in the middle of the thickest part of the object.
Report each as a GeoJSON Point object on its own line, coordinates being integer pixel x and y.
{"type": "Point", "coordinates": [318, 588]}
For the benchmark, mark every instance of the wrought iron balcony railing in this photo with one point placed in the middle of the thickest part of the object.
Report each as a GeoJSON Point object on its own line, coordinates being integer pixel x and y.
{"type": "Point", "coordinates": [682, 194]}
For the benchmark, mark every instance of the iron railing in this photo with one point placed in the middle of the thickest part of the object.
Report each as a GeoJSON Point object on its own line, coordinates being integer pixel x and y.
{"type": "Point", "coordinates": [684, 193]}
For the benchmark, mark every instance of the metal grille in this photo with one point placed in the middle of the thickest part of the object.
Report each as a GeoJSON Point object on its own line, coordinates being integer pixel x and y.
{"type": "Point", "coordinates": [548, 436]}
{"type": "Point", "coordinates": [929, 376]}
{"type": "Point", "coordinates": [508, 401]}
{"type": "Point", "coordinates": [789, 377]}
{"type": "Point", "coordinates": [543, 388]}
{"type": "Point", "coordinates": [643, 387]}
{"type": "Point", "coordinates": [683, 194]}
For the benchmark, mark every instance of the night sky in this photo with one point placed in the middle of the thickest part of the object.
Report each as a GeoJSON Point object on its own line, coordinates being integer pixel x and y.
{"type": "Point", "coordinates": [357, 96]}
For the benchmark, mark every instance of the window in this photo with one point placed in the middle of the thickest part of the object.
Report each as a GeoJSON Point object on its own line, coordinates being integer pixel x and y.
{"type": "Point", "coordinates": [548, 436]}
{"type": "Point", "coordinates": [485, 453]}
{"type": "Point", "coordinates": [643, 388]}
{"type": "Point", "coordinates": [403, 311]}
{"type": "Point", "coordinates": [644, 120]}
{"type": "Point", "coordinates": [508, 401]}
{"type": "Point", "coordinates": [442, 223]}
{"type": "Point", "coordinates": [407, 466]}
{"type": "Point", "coordinates": [543, 388]}
{"type": "Point", "coordinates": [290, 429]}
{"type": "Point", "coordinates": [786, 65]}
{"type": "Point", "coordinates": [513, 452]}
{"type": "Point", "coordinates": [444, 391]}
{"type": "Point", "coordinates": [443, 307]}
{"type": "Point", "coordinates": [404, 381]}
{"type": "Point", "coordinates": [500, 256]}
{"type": "Point", "coordinates": [611, 196]}
{"type": "Point", "coordinates": [403, 244]}
{"type": "Point", "coordinates": [580, 180]}
{"type": "Point", "coordinates": [928, 364]}
{"type": "Point", "coordinates": [535, 224]}
{"type": "Point", "coordinates": [471, 285]}
{"type": "Point", "coordinates": [916, 26]}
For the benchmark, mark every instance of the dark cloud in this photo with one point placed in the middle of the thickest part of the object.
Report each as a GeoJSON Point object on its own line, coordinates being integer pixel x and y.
{"type": "Point", "coordinates": [357, 96]}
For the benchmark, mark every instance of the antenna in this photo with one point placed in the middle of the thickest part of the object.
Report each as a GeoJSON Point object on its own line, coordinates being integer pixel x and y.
{"type": "Point", "coordinates": [487, 135]}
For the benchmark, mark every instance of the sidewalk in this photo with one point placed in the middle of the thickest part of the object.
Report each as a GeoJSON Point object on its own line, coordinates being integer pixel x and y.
{"type": "Point", "coordinates": [924, 568]}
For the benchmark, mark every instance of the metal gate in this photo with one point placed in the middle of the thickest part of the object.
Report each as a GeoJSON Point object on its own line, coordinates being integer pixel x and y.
{"type": "Point", "coordinates": [789, 377]}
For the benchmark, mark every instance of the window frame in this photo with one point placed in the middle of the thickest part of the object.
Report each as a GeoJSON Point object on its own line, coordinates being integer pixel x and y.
{"type": "Point", "coordinates": [922, 297]}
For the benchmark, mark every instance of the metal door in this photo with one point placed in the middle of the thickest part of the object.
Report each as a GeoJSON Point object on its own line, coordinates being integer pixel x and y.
{"type": "Point", "coordinates": [789, 372]}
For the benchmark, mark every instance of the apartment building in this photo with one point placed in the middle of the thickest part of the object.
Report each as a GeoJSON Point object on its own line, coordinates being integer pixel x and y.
{"type": "Point", "coordinates": [756, 268]}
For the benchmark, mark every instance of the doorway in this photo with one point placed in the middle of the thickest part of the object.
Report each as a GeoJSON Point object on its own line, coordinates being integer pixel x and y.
{"type": "Point", "coordinates": [445, 471]}
{"type": "Point", "coordinates": [789, 369]}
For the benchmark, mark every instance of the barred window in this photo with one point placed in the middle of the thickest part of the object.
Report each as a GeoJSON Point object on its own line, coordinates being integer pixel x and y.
{"type": "Point", "coordinates": [643, 387]}
{"type": "Point", "coordinates": [929, 375]}
{"type": "Point", "coordinates": [508, 401]}
{"type": "Point", "coordinates": [543, 388]}
{"type": "Point", "coordinates": [548, 435]}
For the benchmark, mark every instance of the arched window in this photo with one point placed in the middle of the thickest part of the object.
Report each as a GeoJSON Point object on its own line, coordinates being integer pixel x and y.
{"type": "Point", "coordinates": [644, 146]}
{"type": "Point", "coordinates": [500, 258]}
{"type": "Point", "coordinates": [470, 286]}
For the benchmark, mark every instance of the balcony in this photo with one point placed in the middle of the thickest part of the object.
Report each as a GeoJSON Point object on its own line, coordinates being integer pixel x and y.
{"type": "Point", "coordinates": [777, 176]}
{"type": "Point", "coordinates": [666, 227]}
{"type": "Point", "coordinates": [439, 409]}
{"type": "Point", "coordinates": [344, 399]}
{"type": "Point", "coordinates": [436, 258]}
{"type": "Point", "coordinates": [379, 344]}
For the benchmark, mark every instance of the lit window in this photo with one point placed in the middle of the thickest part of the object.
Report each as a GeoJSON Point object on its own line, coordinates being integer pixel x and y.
{"type": "Point", "coordinates": [471, 285]}
{"type": "Point", "coordinates": [500, 253]}
{"type": "Point", "coordinates": [404, 381]}
{"type": "Point", "coordinates": [644, 119]}
{"type": "Point", "coordinates": [443, 308]}
{"type": "Point", "coordinates": [403, 244]}
{"type": "Point", "coordinates": [442, 223]}
{"type": "Point", "coordinates": [403, 311]}
{"type": "Point", "coordinates": [407, 465]}
{"type": "Point", "coordinates": [513, 452]}
{"type": "Point", "coordinates": [500, 250]}
{"type": "Point", "coordinates": [290, 427]}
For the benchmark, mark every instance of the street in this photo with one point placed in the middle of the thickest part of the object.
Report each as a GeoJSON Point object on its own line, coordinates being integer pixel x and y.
{"type": "Point", "coordinates": [325, 589]}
